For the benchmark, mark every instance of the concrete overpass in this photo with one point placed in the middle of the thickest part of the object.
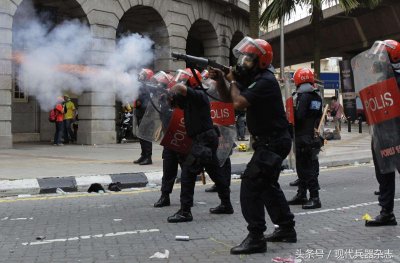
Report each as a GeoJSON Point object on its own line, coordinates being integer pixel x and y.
{"type": "Point", "coordinates": [341, 35]}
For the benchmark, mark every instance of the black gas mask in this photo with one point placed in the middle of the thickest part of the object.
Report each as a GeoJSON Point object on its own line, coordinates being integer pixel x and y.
{"type": "Point", "coordinates": [246, 68]}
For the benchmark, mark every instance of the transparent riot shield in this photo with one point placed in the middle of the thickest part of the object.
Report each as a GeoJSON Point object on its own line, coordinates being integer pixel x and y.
{"type": "Point", "coordinates": [222, 113]}
{"type": "Point", "coordinates": [226, 142]}
{"type": "Point", "coordinates": [175, 136]}
{"type": "Point", "coordinates": [151, 125]}
{"type": "Point", "coordinates": [223, 116]}
{"type": "Point", "coordinates": [376, 84]}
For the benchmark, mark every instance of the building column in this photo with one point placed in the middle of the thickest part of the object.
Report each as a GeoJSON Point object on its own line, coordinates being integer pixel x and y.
{"type": "Point", "coordinates": [5, 80]}
{"type": "Point", "coordinates": [97, 108]}
{"type": "Point", "coordinates": [96, 118]}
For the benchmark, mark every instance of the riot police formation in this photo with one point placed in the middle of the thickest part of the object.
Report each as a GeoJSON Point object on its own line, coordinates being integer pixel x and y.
{"type": "Point", "coordinates": [307, 113]}
{"type": "Point", "coordinates": [203, 153]}
{"type": "Point", "coordinates": [140, 106]}
{"type": "Point", "coordinates": [386, 179]}
{"type": "Point", "coordinates": [255, 88]}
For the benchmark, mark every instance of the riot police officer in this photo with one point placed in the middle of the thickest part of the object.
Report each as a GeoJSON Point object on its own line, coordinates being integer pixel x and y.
{"type": "Point", "coordinates": [308, 112]}
{"type": "Point", "coordinates": [203, 154]}
{"type": "Point", "coordinates": [267, 123]}
{"type": "Point", "coordinates": [171, 158]}
{"type": "Point", "coordinates": [387, 180]}
{"type": "Point", "coordinates": [140, 109]}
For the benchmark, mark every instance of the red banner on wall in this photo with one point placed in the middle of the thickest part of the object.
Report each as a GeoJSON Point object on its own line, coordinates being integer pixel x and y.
{"type": "Point", "coordinates": [381, 101]}
{"type": "Point", "coordinates": [222, 113]}
{"type": "Point", "coordinates": [175, 137]}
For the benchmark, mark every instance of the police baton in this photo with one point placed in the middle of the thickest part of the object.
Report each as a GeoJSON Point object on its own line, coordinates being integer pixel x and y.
{"type": "Point", "coordinates": [203, 177]}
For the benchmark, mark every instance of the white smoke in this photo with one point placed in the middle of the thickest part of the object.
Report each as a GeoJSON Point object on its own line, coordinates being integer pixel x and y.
{"type": "Point", "coordinates": [48, 51]}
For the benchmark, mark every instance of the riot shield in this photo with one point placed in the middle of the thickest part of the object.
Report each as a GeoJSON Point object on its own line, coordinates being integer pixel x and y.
{"type": "Point", "coordinates": [289, 105]}
{"type": "Point", "coordinates": [226, 142]}
{"type": "Point", "coordinates": [157, 116]}
{"type": "Point", "coordinates": [175, 137]}
{"type": "Point", "coordinates": [223, 116]}
{"type": "Point", "coordinates": [150, 127]}
{"type": "Point", "coordinates": [222, 113]}
{"type": "Point", "coordinates": [376, 84]}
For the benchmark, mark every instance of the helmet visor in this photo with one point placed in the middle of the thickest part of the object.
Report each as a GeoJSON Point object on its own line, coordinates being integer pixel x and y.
{"type": "Point", "coordinates": [378, 52]}
{"type": "Point", "coordinates": [247, 46]}
{"type": "Point", "coordinates": [142, 75]}
{"type": "Point", "coordinates": [246, 61]}
{"type": "Point", "coordinates": [182, 77]}
{"type": "Point", "coordinates": [161, 77]}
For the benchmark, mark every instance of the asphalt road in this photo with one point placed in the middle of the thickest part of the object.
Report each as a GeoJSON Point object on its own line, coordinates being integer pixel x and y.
{"type": "Point", "coordinates": [124, 227]}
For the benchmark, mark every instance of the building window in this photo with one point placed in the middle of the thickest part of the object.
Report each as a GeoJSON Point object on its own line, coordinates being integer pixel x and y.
{"type": "Point", "coordinates": [19, 94]}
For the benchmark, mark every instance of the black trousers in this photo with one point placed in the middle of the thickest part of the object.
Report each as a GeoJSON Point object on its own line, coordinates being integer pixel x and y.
{"type": "Point", "coordinates": [146, 146]}
{"type": "Point", "coordinates": [216, 173]}
{"type": "Point", "coordinates": [307, 166]}
{"type": "Point", "coordinates": [386, 186]}
{"type": "Point", "coordinates": [171, 159]}
{"type": "Point", "coordinates": [265, 191]}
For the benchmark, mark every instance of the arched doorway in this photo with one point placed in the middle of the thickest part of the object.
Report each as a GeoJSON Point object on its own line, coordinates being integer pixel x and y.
{"type": "Point", "coordinates": [202, 40]}
{"type": "Point", "coordinates": [28, 121]}
{"type": "Point", "coordinates": [146, 21]}
{"type": "Point", "coordinates": [234, 41]}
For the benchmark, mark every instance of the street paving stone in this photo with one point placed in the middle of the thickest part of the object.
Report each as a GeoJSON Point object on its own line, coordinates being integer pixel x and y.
{"type": "Point", "coordinates": [88, 221]}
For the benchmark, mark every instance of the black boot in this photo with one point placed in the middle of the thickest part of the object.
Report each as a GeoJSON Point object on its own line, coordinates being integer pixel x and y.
{"type": "Point", "coordinates": [299, 199]}
{"type": "Point", "coordinates": [139, 160]}
{"type": "Point", "coordinates": [251, 244]}
{"type": "Point", "coordinates": [287, 235]}
{"type": "Point", "coordinates": [377, 193]}
{"type": "Point", "coordinates": [222, 209]}
{"type": "Point", "coordinates": [163, 201]}
{"type": "Point", "coordinates": [181, 216]}
{"type": "Point", "coordinates": [312, 203]}
{"type": "Point", "coordinates": [146, 161]}
{"type": "Point", "coordinates": [212, 189]}
{"type": "Point", "coordinates": [385, 218]}
{"type": "Point", "coordinates": [295, 182]}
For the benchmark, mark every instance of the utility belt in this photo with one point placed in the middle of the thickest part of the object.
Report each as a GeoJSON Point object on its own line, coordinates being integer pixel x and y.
{"type": "Point", "coordinates": [309, 146]}
{"type": "Point", "coordinates": [260, 140]}
{"type": "Point", "coordinates": [310, 142]}
{"type": "Point", "coordinates": [265, 163]}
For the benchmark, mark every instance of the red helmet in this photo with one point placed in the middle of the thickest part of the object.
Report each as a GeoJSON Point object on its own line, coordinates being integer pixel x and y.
{"type": "Point", "coordinates": [205, 74]}
{"type": "Point", "coordinates": [186, 77]}
{"type": "Point", "coordinates": [162, 78]}
{"type": "Point", "coordinates": [255, 47]}
{"type": "Point", "coordinates": [145, 74]}
{"type": "Point", "coordinates": [303, 75]}
{"type": "Point", "coordinates": [393, 50]}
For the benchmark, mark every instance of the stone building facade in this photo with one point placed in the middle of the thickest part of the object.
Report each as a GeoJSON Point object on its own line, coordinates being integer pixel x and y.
{"type": "Point", "coordinates": [207, 28]}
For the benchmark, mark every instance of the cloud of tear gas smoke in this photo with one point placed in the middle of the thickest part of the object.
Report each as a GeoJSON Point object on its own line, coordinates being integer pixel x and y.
{"type": "Point", "coordinates": [46, 49]}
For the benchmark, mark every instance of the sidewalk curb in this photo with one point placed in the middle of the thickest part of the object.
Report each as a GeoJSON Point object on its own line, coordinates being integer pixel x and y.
{"type": "Point", "coordinates": [126, 180]}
